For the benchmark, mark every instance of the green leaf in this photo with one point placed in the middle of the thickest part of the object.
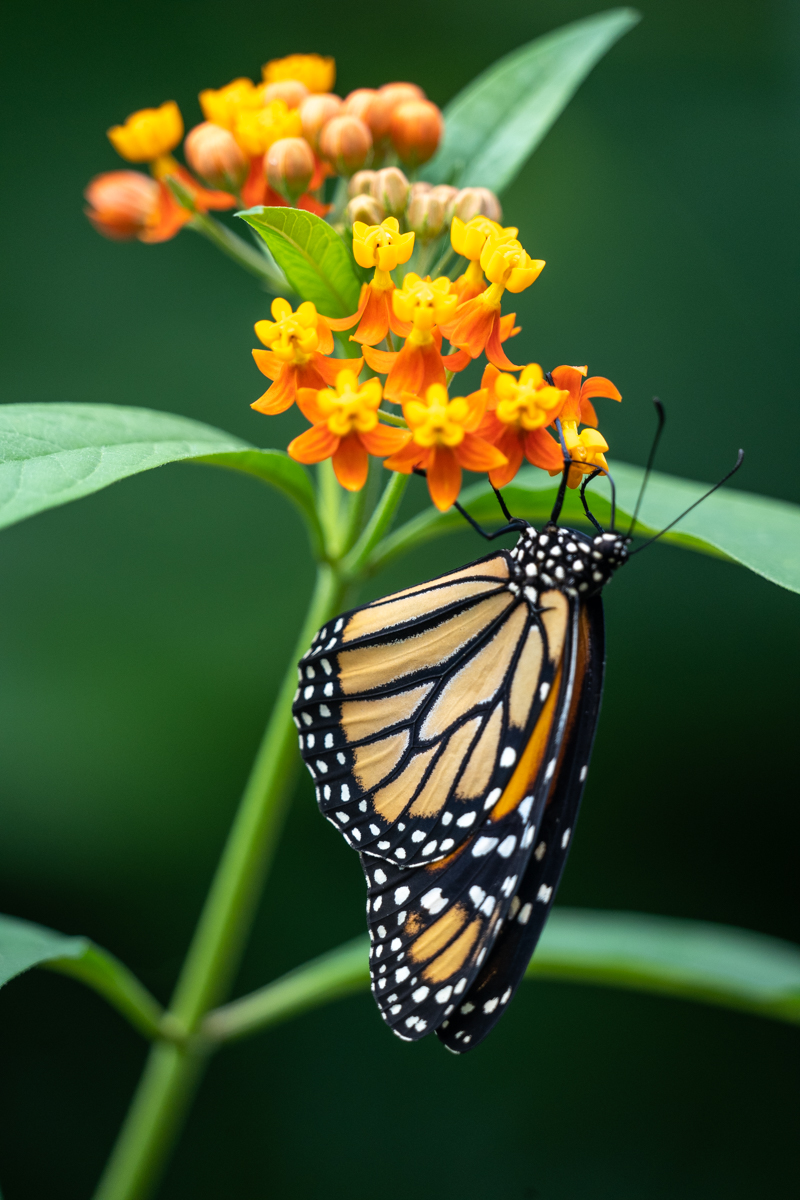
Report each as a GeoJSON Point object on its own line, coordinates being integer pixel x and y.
{"type": "Point", "coordinates": [53, 453]}
{"type": "Point", "coordinates": [714, 964]}
{"type": "Point", "coordinates": [495, 123]}
{"type": "Point", "coordinates": [754, 531]}
{"type": "Point", "coordinates": [277, 468]}
{"type": "Point", "coordinates": [24, 945]}
{"type": "Point", "coordinates": [311, 255]}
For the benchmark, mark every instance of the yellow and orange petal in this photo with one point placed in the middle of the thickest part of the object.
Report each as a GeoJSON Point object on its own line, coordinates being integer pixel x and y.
{"type": "Point", "coordinates": [505, 262]}
{"type": "Point", "coordinates": [414, 368]}
{"type": "Point", "coordinates": [579, 407]}
{"type": "Point", "coordinates": [256, 129]}
{"type": "Point", "coordinates": [148, 133]}
{"type": "Point", "coordinates": [316, 71]}
{"type": "Point", "coordinates": [382, 246]}
{"type": "Point", "coordinates": [469, 238]}
{"type": "Point", "coordinates": [425, 303]}
{"type": "Point", "coordinates": [222, 105]}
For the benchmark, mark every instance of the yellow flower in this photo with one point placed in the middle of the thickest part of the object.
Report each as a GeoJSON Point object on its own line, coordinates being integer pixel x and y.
{"type": "Point", "coordinates": [223, 105]}
{"type": "Point", "coordinates": [382, 246]}
{"type": "Point", "coordinates": [292, 336]}
{"type": "Point", "coordinates": [316, 72]}
{"type": "Point", "coordinates": [256, 129]}
{"type": "Point", "coordinates": [425, 302]}
{"type": "Point", "coordinates": [438, 421]}
{"type": "Point", "coordinates": [148, 134]}
{"type": "Point", "coordinates": [586, 449]}
{"type": "Point", "coordinates": [528, 402]}
{"type": "Point", "coordinates": [508, 265]}
{"type": "Point", "coordinates": [350, 409]}
{"type": "Point", "coordinates": [469, 239]}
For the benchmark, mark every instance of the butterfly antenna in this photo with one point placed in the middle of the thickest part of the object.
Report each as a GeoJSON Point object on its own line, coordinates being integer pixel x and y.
{"type": "Point", "coordinates": [587, 480]}
{"type": "Point", "coordinates": [515, 524]}
{"type": "Point", "coordinates": [562, 487]}
{"type": "Point", "coordinates": [710, 491]}
{"type": "Point", "coordinates": [501, 502]}
{"type": "Point", "coordinates": [659, 407]}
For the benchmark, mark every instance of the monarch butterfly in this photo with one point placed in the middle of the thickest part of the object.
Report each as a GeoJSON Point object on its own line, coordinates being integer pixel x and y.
{"type": "Point", "coordinates": [448, 729]}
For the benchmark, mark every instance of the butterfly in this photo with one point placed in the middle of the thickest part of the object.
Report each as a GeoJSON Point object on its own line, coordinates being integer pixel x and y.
{"type": "Point", "coordinates": [448, 730]}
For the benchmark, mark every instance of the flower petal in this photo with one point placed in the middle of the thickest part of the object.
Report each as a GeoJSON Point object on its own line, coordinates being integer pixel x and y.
{"type": "Point", "coordinates": [599, 386]}
{"type": "Point", "coordinates": [588, 414]}
{"type": "Point", "coordinates": [509, 443]}
{"type": "Point", "coordinates": [340, 323]}
{"type": "Point", "coordinates": [495, 352]}
{"type": "Point", "coordinates": [281, 395]}
{"type": "Point", "coordinates": [314, 445]}
{"type": "Point", "coordinates": [407, 373]}
{"type": "Point", "coordinates": [329, 368]}
{"type": "Point", "coordinates": [543, 450]}
{"type": "Point", "coordinates": [383, 440]}
{"type": "Point", "coordinates": [444, 476]}
{"type": "Point", "coordinates": [381, 361]}
{"type": "Point", "coordinates": [351, 463]}
{"type": "Point", "coordinates": [374, 324]}
{"type": "Point", "coordinates": [456, 360]}
{"type": "Point", "coordinates": [409, 457]}
{"type": "Point", "coordinates": [477, 455]}
{"type": "Point", "coordinates": [308, 404]}
{"type": "Point", "coordinates": [268, 363]}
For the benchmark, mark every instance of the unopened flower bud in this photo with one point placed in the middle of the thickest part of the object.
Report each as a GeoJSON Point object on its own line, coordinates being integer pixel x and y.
{"type": "Point", "coordinates": [214, 154]}
{"type": "Point", "coordinates": [357, 104]}
{"type": "Point", "coordinates": [289, 165]}
{"type": "Point", "coordinates": [291, 91]}
{"type": "Point", "coordinates": [361, 184]}
{"type": "Point", "coordinates": [364, 208]}
{"type": "Point", "coordinates": [315, 112]}
{"type": "Point", "coordinates": [384, 103]}
{"type": "Point", "coordinates": [391, 188]}
{"type": "Point", "coordinates": [347, 143]}
{"type": "Point", "coordinates": [447, 195]}
{"type": "Point", "coordinates": [425, 215]}
{"type": "Point", "coordinates": [477, 202]}
{"type": "Point", "coordinates": [416, 130]}
{"type": "Point", "coordinates": [122, 204]}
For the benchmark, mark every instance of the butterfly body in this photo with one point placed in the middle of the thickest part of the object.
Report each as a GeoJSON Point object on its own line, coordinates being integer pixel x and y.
{"type": "Point", "coordinates": [448, 730]}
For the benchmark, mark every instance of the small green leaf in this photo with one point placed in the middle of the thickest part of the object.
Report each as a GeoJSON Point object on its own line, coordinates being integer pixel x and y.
{"type": "Point", "coordinates": [713, 964]}
{"type": "Point", "coordinates": [311, 255]}
{"type": "Point", "coordinates": [754, 531]}
{"type": "Point", "coordinates": [24, 945]}
{"type": "Point", "coordinates": [277, 468]}
{"type": "Point", "coordinates": [495, 123]}
{"type": "Point", "coordinates": [53, 453]}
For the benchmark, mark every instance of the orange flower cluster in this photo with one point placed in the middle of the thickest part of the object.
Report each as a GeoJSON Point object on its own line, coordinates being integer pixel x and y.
{"type": "Point", "coordinates": [272, 143]}
{"type": "Point", "coordinates": [532, 415]}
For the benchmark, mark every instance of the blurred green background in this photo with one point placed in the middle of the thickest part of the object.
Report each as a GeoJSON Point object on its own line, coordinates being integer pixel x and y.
{"type": "Point", "coordinates": [143, 631]}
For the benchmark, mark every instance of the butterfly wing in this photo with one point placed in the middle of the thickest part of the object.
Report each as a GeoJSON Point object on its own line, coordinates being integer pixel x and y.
{"type": "Point", "coordinates": [436, 929]}
{"type": "Point", "coordinates": [487, 998]}
{"type": "Point", "coordinates": [413, 711]}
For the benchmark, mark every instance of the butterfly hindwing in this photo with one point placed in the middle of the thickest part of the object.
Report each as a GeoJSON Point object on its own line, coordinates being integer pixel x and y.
{"type": "Point", "coordinates": [413, 711]}
{"type": "Point", "coordinates": [505, 966]}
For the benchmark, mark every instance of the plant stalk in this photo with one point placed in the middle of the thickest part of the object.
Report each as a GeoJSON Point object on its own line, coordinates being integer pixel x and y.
{"type": "Point", "coordinates": [236, 248]}
{"type": "Point", "coordinates": [173, 1072]}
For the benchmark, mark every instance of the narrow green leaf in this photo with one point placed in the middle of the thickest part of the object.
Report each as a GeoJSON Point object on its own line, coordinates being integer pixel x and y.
{"type": "Point", "coordinates": [311, 255]}
{"type": "Point", "coordinates": [277, 468]}
{"type": "Point", "coordinates": [497, 121]}
{"type": "Point", "coordinates": [754, 531]}
{"type": "Point", "coordinates": [24, 945]}
{"type": "Point", "coordinates": [713, 964]}
{"type": "Point", "coordinates": [53, 453]}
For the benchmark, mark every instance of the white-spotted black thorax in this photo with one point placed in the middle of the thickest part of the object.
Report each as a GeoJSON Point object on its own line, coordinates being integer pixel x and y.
{"type": "Point", "coordinates": [561, 558]}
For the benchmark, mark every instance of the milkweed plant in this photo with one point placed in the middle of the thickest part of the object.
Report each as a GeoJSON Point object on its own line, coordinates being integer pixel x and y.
{"type": "Point", "coordinates": [375, 223]}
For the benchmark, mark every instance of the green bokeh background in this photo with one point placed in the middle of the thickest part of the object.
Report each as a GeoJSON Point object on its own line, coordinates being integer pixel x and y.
{"type": "Point", "coordinates": [143, 631]}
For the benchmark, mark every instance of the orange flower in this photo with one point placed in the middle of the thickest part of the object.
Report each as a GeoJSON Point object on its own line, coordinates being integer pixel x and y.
{"type": "Point", "coordinates": [345, 428]}
{"type": "Point", "coordinates": [172, 214]}
{"type": "Point", "coordinates": [443, 440]}
{"type": "Point", "coordinates": [383, 247]}
{"type": "Point", "coordinates": [507, 266]}
{"type": "Point", "coordinates": [148, 134]}
{"type": "Point", "coordinates": [586, 449]}
{"type": "Point", "coordinates": [422, 304]}
{"type": "Point", "coordinates": [298, 344]}
{"type": "Point", "coordinates": [579, 407]}
{"type": "Point", "coordinates": [518, 411]}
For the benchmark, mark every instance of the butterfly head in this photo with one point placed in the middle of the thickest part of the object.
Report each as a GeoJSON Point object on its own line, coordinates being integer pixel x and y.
{"type": "Point", "coordinates": [564, 559]}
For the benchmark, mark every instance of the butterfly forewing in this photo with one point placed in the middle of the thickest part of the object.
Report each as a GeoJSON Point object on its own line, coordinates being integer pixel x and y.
{"type": "Point", "coordinates": [473, 1018]}
{"type": "Point", "coordinates": [413, 711]}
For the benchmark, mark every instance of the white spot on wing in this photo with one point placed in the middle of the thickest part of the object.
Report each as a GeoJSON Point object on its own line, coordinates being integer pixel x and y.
{"type": "Point", "coordinates": [508, 757]}
{"type": "Point", "coordinates": [483, 846]}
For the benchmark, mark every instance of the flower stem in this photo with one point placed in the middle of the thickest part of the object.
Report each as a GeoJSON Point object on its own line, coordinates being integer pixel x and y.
{"type": "Point", "coordinates": [353, 565]}
{"type": "Point", "coordinates": [173, 1071]}
{"type": "Point", "coordinates": [236, 248]}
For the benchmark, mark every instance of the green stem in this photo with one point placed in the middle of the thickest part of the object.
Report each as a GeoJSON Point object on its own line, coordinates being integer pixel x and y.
{"type": "Point", "coordinates": [236, 248]}
{"type": "Point", "coordinates": [107, 975]}
{"type": "Point", "coordinates": [379, 522]}
{"type": "Point", "coordinates": [173, 1072]}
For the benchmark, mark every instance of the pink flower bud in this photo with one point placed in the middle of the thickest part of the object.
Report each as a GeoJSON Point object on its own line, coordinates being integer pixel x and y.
{"type": "Point", "coordinates": [361, 184]}
{"type": "Point", "coordinates": [364, 208]}
{"type": "Point", "coordinates": [346, 142]}
{"type": "Point", "coordinates": [289, 165]}
{"type": "Point", "coordinates": [214, 154]}
{"type": "Point", "coordinates": [391, 188]}
{"type": "Point", "coordinates": [477, 202]}
{"type": "Point", "coordinates": [357, 104]}
{"type": "Point", "coordinates": [384, 103]}
{"type": "Point", "coordinates": [291, 91]}
{"type": "Point", "coordinates": [416, 128]}
{"type": "Point", "coordinates": [426, 214]}
{"type": "Point", "coordinates": [315, 112]}
{"type": "Point", "coordinates": [122, 204]}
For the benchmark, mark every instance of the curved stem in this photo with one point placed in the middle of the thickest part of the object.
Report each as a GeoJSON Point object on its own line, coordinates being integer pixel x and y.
{"type": "Point", "coordinates": [173, 1071]}
{"type": "Point", "coordinates": [236, 248]}
{"type": "Point", "coordinates": [377, 525]}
